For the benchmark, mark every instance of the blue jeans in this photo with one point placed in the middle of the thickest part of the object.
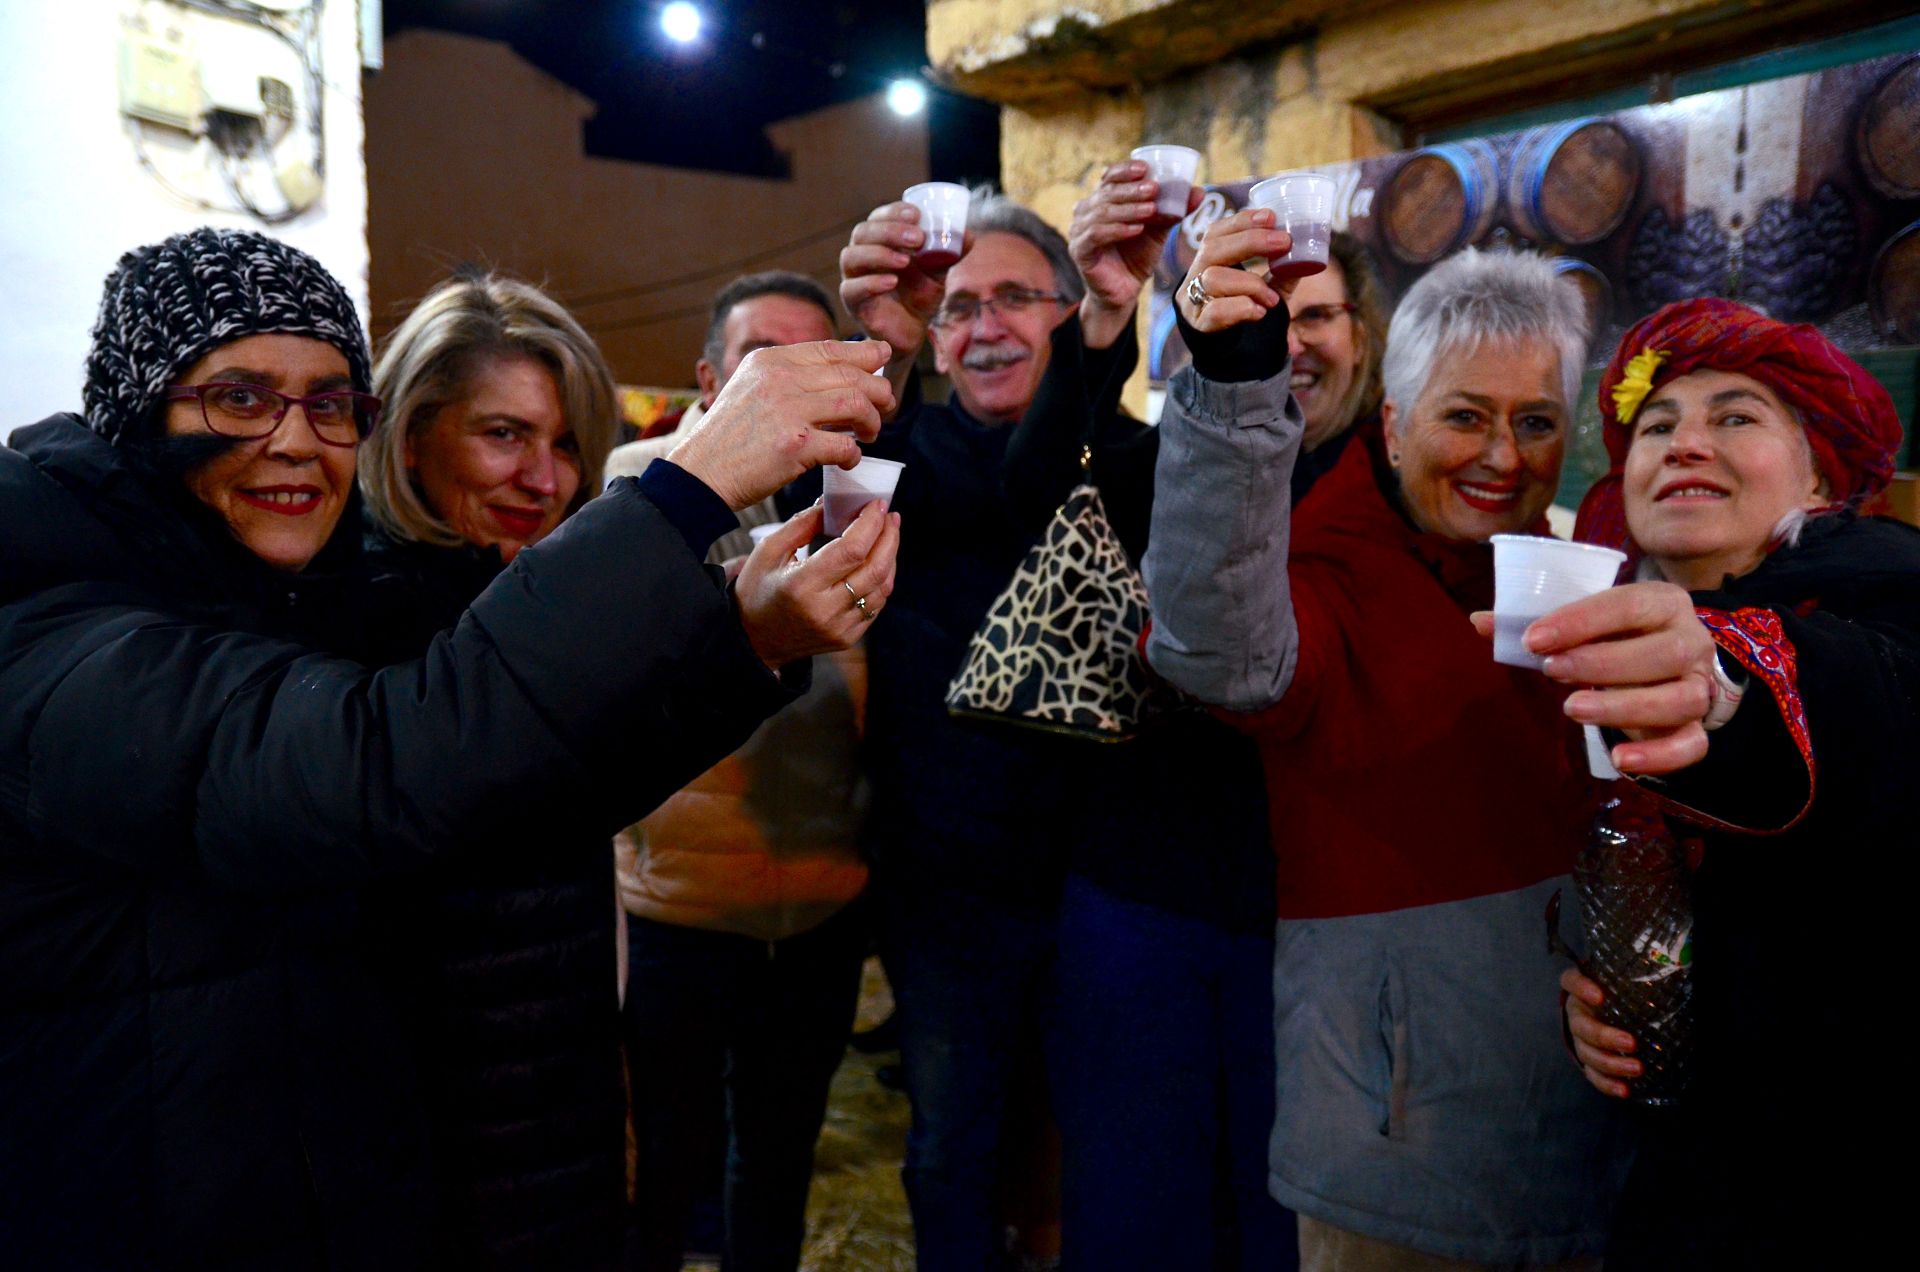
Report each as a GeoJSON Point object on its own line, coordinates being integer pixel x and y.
{"type": "Point", "coordinates": [1165, 1091]}
{"type": "Point", "coordinates": [719, 1027]}
{"type": "Point", "coordinates": [973, 992]}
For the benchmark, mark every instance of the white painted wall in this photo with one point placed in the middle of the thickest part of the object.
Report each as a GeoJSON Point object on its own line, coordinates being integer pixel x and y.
{"type": "Point", "coordinates": [73, 197]}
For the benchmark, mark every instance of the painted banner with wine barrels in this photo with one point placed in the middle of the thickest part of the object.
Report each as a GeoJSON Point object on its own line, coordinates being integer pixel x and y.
{"type": "Point", "coordinates": [1799, 196]}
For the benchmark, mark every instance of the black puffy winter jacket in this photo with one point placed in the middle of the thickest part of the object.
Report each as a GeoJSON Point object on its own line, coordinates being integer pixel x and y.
{"type": "Point", "coordinates": [199, 1067]}
{"type": "Point", "coordinates": [508, 962]}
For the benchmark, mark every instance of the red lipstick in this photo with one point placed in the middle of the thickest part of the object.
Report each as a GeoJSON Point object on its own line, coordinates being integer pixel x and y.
{"type": "Point", "coordinates": [521, 523]}
{"type": "Point", "coordinates": [1477, 495]}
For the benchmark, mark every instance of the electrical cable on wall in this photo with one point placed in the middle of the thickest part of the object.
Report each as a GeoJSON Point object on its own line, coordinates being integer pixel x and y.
{"type": "Point", "coordinates": [197, 79]}
{"type": "Point", "coordinates": [630, 291]}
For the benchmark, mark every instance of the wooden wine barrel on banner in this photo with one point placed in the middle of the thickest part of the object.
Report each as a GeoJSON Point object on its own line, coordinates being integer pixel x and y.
{"type": "Point", "coordinates": [1594, 289]}
{"type": "Point", "coordinates": [1887, 138]}
{"type": "Point", "coordinates": [1441, 199]}
{"type": "Point", "coordinates": [1893, 286]}
{"type": "Point", "coordinates": [1572, 182]}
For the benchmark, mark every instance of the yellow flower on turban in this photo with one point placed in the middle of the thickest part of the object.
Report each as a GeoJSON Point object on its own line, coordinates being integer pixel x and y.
{"type": "Point", "coordinates": [1634, 386]}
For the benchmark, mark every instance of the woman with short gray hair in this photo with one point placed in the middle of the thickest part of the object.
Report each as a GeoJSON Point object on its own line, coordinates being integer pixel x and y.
{"type": "Point", "coordinates": [1424, 800]}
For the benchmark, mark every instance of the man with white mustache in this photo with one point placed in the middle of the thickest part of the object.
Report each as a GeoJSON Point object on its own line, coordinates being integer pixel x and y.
{"type": "Point", "coordinates": [966, 827]}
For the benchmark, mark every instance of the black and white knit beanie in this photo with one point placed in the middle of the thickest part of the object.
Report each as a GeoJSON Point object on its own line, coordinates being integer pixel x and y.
{"type": "Point", "coordinates": [170, 304]}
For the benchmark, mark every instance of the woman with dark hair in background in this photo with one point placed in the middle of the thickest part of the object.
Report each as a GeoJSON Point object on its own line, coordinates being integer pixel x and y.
{"type": "Point", "coordinates": [199, 1065]}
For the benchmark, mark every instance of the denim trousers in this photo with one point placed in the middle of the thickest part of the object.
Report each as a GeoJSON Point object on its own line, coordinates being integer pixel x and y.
{"type": "Point", "coordinates": [1165, 1091]}
{"type": "Point", "coordinates": [972, 984]}
{"type": "Point", "coordinates": [731, 1045]}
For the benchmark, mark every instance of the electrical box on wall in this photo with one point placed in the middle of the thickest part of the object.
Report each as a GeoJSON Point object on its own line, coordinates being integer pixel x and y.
{"type": "Point", "coordinates": [238, 62]}
{"type": "Point", "coordinates": [160, 81]}
{"type": "Point", "coordinates": [242, 80]}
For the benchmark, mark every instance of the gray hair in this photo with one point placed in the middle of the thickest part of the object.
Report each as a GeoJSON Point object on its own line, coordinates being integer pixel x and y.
{"type": "Point", "coordinates": [990, 212]}
{"type": "Point", "coordinates": [463, 327]}
{"type": "Point", "coordinates": [1476, 296]}
{"type": "Point", "coordinates": [774, 282]}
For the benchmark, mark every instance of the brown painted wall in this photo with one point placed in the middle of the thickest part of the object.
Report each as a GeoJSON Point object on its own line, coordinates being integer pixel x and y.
{"type": "Point", "coordinates": [473, 154]}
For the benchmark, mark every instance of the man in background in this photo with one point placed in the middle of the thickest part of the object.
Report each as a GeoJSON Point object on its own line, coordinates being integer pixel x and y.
{"type": "Point", "coordinates": [756, 311]}
{"type": "Point", "coordinates": [744, 939]}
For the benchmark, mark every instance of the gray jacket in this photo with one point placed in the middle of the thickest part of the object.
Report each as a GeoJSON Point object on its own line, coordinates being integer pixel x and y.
{"type": "Point", "coordinates": [1424, 1097]}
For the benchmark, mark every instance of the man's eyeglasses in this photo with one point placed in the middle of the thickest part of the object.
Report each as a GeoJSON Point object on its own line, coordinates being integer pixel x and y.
{"type": "Point", "coordinates": [957, 310]}
{"type": "Point", "coordinates": [1314, 320]}
{"type": "Point", "coordinates": [339, 417]}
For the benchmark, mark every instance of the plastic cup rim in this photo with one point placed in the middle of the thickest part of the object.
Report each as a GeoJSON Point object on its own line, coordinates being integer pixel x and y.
{"type": "Point", "coordinates": [1146, 155]}
{"type": "Point", "coordinates": [891, 465]}
{"type": "Point", "coordinates": [1554, 544]}
{"type": "Point", "coordinates": [1274, 183]}
{"type": "Point", "coordinates": [937, 189]}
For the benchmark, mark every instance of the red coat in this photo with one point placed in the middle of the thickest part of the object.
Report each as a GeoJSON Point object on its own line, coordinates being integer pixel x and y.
{"type": "Point", "coordinates": [1404, 766]}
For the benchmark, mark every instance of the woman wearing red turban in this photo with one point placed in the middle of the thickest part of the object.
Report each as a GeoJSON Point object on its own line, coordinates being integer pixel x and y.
{"type": "Point", "coordinates": [1767, 667]}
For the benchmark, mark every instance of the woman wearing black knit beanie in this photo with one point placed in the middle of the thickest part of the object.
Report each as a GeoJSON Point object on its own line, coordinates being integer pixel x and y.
{"type": "Point", "coordinates": [198, 1066]}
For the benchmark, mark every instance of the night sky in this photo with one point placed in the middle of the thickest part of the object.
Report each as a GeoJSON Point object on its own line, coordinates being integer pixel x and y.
{"type": "Point", "coordinates": [706, 105]}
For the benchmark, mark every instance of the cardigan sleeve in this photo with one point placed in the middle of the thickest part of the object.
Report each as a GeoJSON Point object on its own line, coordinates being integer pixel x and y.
{"type": "Point", "coordinates": [1224, 626]}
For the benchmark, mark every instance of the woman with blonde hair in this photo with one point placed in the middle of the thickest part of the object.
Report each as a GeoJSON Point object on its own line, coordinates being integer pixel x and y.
{"type": "Point", "coordinates": [500, 413]}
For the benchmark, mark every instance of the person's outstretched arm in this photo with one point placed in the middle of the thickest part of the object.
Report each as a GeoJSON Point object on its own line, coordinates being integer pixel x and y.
{"type": "Point", "coordinates": [168, 746]}
{"type": "Point", "coordinates": [1216, 564]}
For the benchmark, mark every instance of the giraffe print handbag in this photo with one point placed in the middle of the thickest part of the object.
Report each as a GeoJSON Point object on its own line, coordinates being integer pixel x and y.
{"type": "Point", "coordinates": [1060, 649]}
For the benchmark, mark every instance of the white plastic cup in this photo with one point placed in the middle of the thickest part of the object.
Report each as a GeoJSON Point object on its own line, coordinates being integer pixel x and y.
{"type": "Point", "coordinates": [1174, 168]}
{"type": "Point", "coordinates": [760, 534]}
{"type": "Point", "coordinates": [1532, 577]}
{"type": "Point", "coordinates": [943, 215]}
{"type": "Point", "coordinates": [1302, 203]}
{"type": "Point", "coordinates": [847, 491]}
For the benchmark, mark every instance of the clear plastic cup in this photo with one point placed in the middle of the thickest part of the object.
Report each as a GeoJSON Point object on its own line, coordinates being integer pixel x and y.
{"type": "Point", "coordinates": [943, 215]}
{"type": "Point", "coordinates": [1302, 203]}
{"type": "Point", "coordinates": [1532, 577]}
{"type": "Point", "coordinates": [1174, 168]}
{"type": "Point", "coordinates": [847, 491]}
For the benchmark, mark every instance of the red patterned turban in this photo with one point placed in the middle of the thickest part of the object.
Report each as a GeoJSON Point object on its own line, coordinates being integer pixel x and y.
{"type": "Point", "coordinates": [1849, 419]}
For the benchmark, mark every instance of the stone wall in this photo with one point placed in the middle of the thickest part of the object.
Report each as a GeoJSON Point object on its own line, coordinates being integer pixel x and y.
{"type": "Point", "coordinates": [1260, 88]}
